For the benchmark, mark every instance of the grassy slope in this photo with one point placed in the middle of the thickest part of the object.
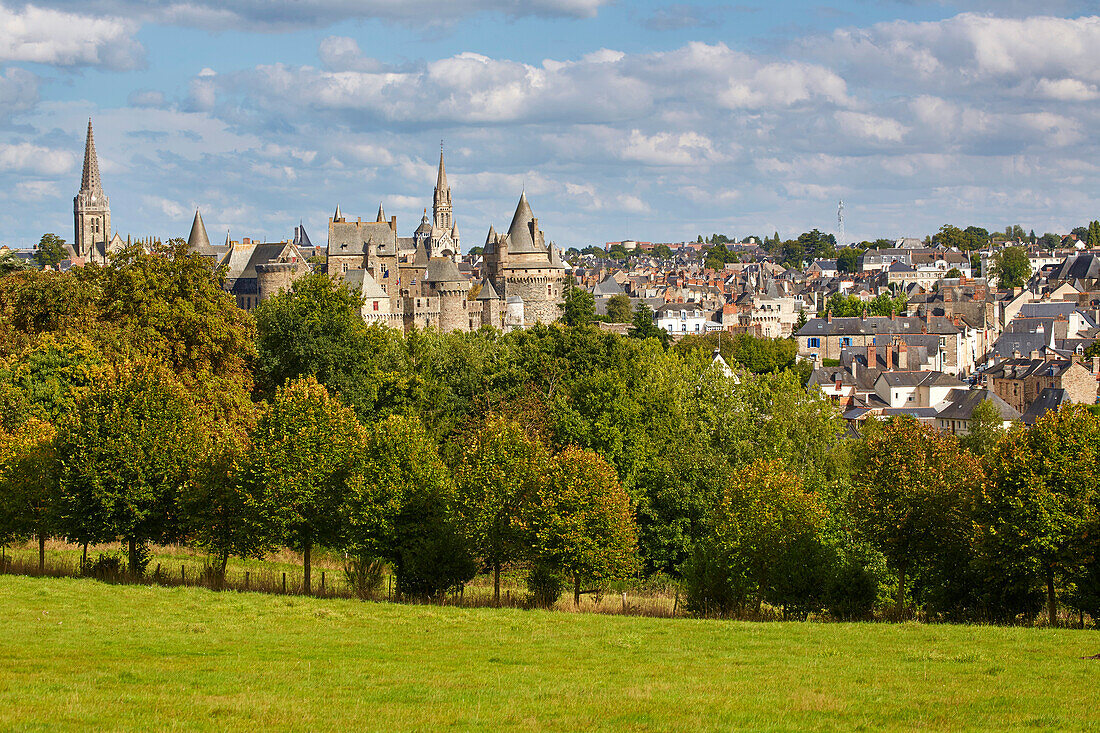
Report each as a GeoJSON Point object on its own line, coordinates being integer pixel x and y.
{"type": "Point", "coordinates": [80, 654]}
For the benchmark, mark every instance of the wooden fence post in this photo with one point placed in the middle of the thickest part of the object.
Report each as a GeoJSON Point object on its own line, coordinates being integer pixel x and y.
{"type": "Point", "coordinates": [246, 580]}
{"type": "Point", "coordinates": [322, 582]}
{"type": "Point", "coordinates": [183, 574]}
{"type": "Point", "coordinates": [284, 583]}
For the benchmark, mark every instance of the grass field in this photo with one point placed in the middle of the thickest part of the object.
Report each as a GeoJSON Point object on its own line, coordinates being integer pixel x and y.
{"type": "Point", "coordinates": [78, 654]}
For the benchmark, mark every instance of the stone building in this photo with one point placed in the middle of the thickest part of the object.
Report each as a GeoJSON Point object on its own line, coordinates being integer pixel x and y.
{"type": "Point", "coordinates": [415, 282]}
{"type": "Point", "coordinates": [254, 271]}
{"type": "Point", "coordinates": [520, 264]}
{"type": "Point", "coordinates": [92, 242]}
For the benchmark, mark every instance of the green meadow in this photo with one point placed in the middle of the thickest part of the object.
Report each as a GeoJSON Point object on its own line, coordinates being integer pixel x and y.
{"type": "Point", "coordinates": [79, 654]}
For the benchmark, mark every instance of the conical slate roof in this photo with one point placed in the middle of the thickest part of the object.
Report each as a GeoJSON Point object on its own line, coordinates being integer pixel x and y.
{"type": "Point", "coordinates": [197, 240]}
{"type": "Point", "coordinates": [381, 213]}
{"type": "Point", "coordinates": [488, 292]}
{"type": "Point", "coordinates": [337, 216]}
{"type": "Point", "coordinates": [442, 270]}
{"type": "Point", "coordinates": [519, 233]}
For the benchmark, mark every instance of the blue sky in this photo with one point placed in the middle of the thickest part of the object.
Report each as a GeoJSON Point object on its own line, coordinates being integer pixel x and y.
{"type": "Point", "coordinates": [648, 120]}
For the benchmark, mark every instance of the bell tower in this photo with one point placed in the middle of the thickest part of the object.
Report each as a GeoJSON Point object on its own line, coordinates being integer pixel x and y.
{"type": "Point", "coordinates": [91, 209]}
{"type": "Point", "coordinates": [441, 205]}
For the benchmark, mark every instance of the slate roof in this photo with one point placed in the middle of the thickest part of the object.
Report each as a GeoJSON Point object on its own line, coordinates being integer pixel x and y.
{"type": "Point", "coordinates": [920, 379]}
{"type": "Point", "coordinates": [442, 269]}
{"type": "Point", "coordinates": [488, 292]}
{"type": "Point", "coordinates": [198, 241]}
{"type": "Point", "coordinates": [1050, 398]}
{"type": "Point", "coordinates": [519, 233]}
{"type": "Point", "coordinates": [1077, 267]}
{"type": "Point", "coordinates": [903, 325]}
{"type": "Point", "coordinates": [961, 404]}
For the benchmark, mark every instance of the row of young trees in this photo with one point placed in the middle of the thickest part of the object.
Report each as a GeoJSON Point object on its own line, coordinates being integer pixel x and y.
{"type": "Point", "coordinates": [141, 405]}
{"type": "Point", "coordinates": [133, 463]}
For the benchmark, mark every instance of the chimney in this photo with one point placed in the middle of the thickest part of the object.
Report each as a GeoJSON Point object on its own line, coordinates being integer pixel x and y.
{"type": "Point", "coordinates": [889, 357]}
{"type": "Point", "coordinates": [903, 356]}
{"type": "Point", "coordinates": [1096, 365]}
{"type": "Point", "coordinates": [872, 357]}
{"type": "Point", "coordinates": [828, 316]}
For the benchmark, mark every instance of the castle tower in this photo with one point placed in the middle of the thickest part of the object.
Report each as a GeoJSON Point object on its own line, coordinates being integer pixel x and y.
{"type": "Point", "coordinates": [198, 241]}
{"type": "Point", "coordinates": [441, 205]}
{"type": "Point", "coordinates": [91, 209]}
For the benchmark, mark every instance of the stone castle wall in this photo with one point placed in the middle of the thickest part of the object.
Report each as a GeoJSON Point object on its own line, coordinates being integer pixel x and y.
{"type": "Point", "coordinates": [276, 277]}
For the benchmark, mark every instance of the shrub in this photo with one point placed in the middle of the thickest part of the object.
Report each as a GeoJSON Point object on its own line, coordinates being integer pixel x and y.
{"type": "Point", "coordinates": [107, 565]}
{"type": "Point", "coordinates": [364, 575]}
{"type": "Point", "coordinates": [545, 584]}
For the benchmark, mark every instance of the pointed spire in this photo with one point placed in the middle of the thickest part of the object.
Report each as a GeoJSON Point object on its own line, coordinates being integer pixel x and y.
{"type": "Point", "coordinates": [89, 181]}
{"type": "Point", "coordinates": [337, 216]}
{"type": "Point", "coordinates": [441, 178]}
{"type": "Point", "coordinates": [381, 213]}
{"type": "Point", "coordinates": [519, 233]}
{"type": "Point", "coordinates": [227, 241]}
{"type": "Point", "coordinates": [197, 240]}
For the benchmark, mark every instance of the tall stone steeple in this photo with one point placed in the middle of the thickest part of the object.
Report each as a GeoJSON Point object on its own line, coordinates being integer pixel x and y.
{"type": "Point", "coordinates": [91, 209]}
{"type": "Point", "coordinates": [441, 206]}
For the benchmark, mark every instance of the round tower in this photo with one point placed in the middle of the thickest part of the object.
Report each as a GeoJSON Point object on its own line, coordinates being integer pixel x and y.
{"type": "Point", "coordinates": [275, 277]}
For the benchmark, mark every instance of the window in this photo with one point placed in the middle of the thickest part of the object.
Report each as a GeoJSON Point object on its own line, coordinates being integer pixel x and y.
{"type": "Point", "coordinates": [846, 341]}
{"type": "Point", "coordinates": [814, 342]}
{"type": "Point", "coordinates": [376, 305]}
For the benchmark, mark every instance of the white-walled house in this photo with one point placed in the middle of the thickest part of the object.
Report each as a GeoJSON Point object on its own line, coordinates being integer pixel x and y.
{"type": "Point", "coordinates": [680, 319]}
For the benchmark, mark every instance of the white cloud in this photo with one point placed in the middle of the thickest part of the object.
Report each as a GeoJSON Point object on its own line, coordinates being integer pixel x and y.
{"type": "Point", "coordinates": [56, 38]}
{"type": "Point", "coordinates": [264, 15]}
{"type": "Point", "coordinates": [984, 55]}
{"type": "Point", "coordinates": [871, 127]}
{"type": "Point", "coordinates": [30, 158]}
{"type": "Point", "coordinates": [18, 90]}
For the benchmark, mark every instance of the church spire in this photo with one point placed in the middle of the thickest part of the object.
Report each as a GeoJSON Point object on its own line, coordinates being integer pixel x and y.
{"type": "Point", "coordinates": [441, 203]}
{"type": "Point", "coordinates": [89, 181]}
{"type": "Point", "coordinates": [441, 177]}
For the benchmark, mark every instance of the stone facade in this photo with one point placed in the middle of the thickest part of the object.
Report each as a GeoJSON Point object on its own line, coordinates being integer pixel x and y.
{"type": "Point", "coordinates": [91, 211]}
{"type": "Point", "coordinates": [420, 280]}
{"type": "Point", "coordinates": [521, 265]}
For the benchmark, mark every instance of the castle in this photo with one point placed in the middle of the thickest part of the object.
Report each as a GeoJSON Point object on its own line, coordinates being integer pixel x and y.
{"type": "Point", "coordinates": [405, 282]}
{"type": "Point", "coordinates": [415, 282]}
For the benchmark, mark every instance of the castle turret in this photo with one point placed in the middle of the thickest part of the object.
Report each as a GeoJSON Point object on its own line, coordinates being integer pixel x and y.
{"type": "Point", "coordinates": [198, 241]}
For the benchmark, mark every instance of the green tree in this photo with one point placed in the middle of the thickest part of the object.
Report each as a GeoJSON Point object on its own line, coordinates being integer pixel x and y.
{"type": "Point", "coordinates": [985, 430]}
{"type": "Point", "coordinates": [124, 458]}
{"type": "Point", "coordinates": [954, 272]}
{"type": "Point", "coordinates": [314, 329]}
{"type": "Point", "coordinates": [619, 309]}
{"type": "Point", "coordinates": [1050, 241]}
{"type": "Point", "coordinates": [1041, 499]}
{"type": "Point", "coordinates": [847, 260]}
{"type": "Point", "coordinates": [662, 251]}
{"type": "Point", "coordinates": [578, 307]}
{"type": "Point", "coordinates": [404, 511]}
{"type": "Point", "coordinates": [764, 526]}
{"type": "Point", "coordinates": [643, 327]}
{"type": "Point", "coordinates": [1011, 267]}
{"type": "Point", "coordinates": [28, 468]}
{"type": "Point", "coordinates": [306, 458]}
{"type": "Point", "coordinates": [50, 251]}
{"type": "Point", "coordinates": [217, 512]}
{"type": "Point", "coordinates": [910, 491]}
{"type": "Point", "coordinates": [1093, 234]}
{"type": "Point", "coordinates": [498, 472]}
{"type": "Point", "coordinates": [581, 520]}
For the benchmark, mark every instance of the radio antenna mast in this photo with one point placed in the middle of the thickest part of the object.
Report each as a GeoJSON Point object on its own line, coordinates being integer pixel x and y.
{"type": "Point", "coordinates": [840, 223]}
